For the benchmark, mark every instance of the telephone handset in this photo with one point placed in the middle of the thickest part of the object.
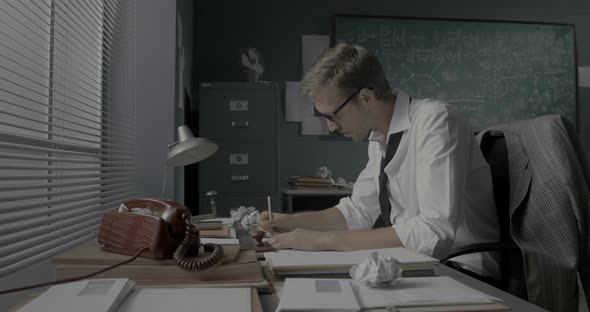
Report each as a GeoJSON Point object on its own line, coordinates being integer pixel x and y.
{"type": "Point", "coordinates": [163, 226]}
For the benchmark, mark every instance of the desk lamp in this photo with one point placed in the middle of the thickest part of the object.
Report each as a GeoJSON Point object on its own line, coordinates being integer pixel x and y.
{"type": "Point", "coordinates": [189, 150]}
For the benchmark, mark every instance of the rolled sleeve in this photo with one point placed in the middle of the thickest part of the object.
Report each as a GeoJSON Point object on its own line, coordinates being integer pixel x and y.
{"type": "Point", "coordinates": [442, 151]}
{"type": "Point", "coordinates": [361, 209]}
{"type": "Point", "coordinates": [418, 235]}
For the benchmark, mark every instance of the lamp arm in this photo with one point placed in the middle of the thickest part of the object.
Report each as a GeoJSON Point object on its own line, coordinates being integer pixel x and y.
{"type": "Point", "coordinates": [165, 180]}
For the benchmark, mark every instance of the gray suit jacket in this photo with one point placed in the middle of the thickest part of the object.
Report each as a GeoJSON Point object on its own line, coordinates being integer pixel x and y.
{"type": "Point", "coordinates": [549, 208]}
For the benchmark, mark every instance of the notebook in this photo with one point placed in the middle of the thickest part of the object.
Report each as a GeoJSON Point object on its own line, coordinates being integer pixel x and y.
{"type": "Point", "coordinates": [442, 292]}
{"type": "Point", "coordinates": [306, 294]}
{"type": "Point", "coordinates": [418, 294]}
{"type": "Point", "coordinates": [93, 295]}
{"type": "Point", "coordinates": [188, 300]}
{"type": "Point", "coordinates": [296, 262]}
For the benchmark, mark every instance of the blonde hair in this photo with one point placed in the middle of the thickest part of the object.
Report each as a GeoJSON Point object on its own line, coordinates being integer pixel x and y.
{"type": "Point", "coordinates": [348, 68]}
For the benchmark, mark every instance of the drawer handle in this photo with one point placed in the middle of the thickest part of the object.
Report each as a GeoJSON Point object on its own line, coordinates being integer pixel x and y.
{"type": "Point", "coordinates": [239, 178]}
{"type": "Point", "coordinates": [239, 124]}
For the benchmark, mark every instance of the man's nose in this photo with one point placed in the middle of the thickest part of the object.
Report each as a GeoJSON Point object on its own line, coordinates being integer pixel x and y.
{"type": "Point", "coordinates": [332, 126]}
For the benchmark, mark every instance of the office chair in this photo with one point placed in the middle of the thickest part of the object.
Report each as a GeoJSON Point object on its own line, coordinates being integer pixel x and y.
{"type": "Point", "coordinates": [493, 147]}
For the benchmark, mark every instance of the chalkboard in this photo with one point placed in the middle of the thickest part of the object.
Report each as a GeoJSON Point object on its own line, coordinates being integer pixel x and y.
{"type": "Point", "coordinates": [492, 71]}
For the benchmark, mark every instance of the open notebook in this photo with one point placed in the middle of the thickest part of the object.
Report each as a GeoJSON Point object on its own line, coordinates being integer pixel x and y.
{"type": "Point", "coordinates": [416, 294]}
{"type": "Point", "coordinates": [295, 262]}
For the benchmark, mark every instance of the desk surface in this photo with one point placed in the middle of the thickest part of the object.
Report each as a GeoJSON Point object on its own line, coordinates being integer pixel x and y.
{"type": "Point", "coordinates": [269, 301]}
{"type": "Point", "coordinates": [516, 304]}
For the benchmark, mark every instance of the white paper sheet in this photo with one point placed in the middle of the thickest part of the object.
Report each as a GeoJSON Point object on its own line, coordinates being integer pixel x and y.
{"type": "Point", "coordinates": [314, 126]}
{"type": "Point", "coordinates": [188, 300]}
{"type": "Point", "coordinates": [311, 47]}
{"type": "Point", "coordinates": [297, 105]}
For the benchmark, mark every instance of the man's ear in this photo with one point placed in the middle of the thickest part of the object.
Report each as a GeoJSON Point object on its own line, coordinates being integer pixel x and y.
{"type": "Point", "coordinates": [366, 97]}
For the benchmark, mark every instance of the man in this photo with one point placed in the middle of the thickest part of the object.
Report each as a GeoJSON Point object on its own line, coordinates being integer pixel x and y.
{"type": "Point", "coordinates": [434, 191]}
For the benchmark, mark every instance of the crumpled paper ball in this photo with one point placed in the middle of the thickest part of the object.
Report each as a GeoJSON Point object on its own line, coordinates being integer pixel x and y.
{"type": "Point", "coordinates": [250, 221]}
{"type": "Point", "coordinates": [376, 271]}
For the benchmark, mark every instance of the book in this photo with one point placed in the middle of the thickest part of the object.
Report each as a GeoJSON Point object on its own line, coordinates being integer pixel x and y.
{"type": "Point", "coordinates": [425, 294]}
{"type": "Point", "coordinates": [188, 300]}
{"type": "Point", "coordinates": [223, 232]}
{"type": "Point", "coordinates": [302, 294]}
{"type": "Point", "coordinates": [320, 188]}
{"type": "Point", "coordinates": [93, 295]}
{"type": "Point", "coordinates": [310, 179]}
{"type": "Point", "coordinates": [296, 262]}
{"type": "Point", "coordinates": [433, 293]}
{"type": "Point", "coordinates": [178, 298]}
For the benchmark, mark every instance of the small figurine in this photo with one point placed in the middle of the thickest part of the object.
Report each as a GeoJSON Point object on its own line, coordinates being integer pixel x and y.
{"type": "Point", "coordinates": [252, 63]}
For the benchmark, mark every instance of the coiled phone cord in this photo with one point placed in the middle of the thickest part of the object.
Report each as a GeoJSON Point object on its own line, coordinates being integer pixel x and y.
{"type": "Point", "coordinates": [190, 247]}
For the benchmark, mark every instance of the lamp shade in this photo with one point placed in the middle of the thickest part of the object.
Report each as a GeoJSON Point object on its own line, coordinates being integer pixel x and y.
{"type": "Point", "coordinates": [189, 149]}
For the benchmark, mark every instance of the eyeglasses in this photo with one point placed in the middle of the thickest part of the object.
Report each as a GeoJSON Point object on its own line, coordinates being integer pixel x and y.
{"type": "Point", "coordinates": [331, 116]}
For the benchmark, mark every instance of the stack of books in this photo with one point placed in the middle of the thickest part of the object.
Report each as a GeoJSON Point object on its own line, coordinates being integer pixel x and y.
{"type": "Point", "coordinates": [311, 183]}
{"type": "Point", "coordinates": [236, 269]}
{"type": "Point", "coordinates": [314, 263]}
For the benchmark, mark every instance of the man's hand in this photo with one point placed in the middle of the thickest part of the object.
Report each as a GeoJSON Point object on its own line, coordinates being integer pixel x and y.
{"type": "Point", "coordinates": [280, 222]}
{"type": "Point", "coordinates": [301, 240]}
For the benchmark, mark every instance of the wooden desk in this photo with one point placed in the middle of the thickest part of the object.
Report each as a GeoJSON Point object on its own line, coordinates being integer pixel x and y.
{"type": "Point", "coordinates": [330, 197]}
{"type": "Point", "coordinates": [269, 301]}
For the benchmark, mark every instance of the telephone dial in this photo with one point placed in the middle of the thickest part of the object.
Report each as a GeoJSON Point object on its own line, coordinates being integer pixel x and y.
{"type": "Point", "coordinates": [163, 226]}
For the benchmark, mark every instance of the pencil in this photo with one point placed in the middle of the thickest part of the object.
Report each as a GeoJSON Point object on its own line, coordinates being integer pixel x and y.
{"type": "Point", "coordinates": [269, 209]}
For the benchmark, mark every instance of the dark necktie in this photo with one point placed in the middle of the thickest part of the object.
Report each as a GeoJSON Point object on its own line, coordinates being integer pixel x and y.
{"type": "Point", "coordinates": [384, 219]}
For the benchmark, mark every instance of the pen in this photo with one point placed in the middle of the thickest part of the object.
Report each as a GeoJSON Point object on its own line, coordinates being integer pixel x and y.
{"type": "Point", "coordinates": [269, 210]}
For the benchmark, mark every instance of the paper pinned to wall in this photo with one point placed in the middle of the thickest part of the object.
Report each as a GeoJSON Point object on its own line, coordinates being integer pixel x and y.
{"type": "Point", "coordinates": [314, 126]}
{"type": "Point", "coordinates": [297, 105]}
{"type": "Point", "coordinates": [584, 77]}
{"type": "Point", "coordinates": [311, 47]}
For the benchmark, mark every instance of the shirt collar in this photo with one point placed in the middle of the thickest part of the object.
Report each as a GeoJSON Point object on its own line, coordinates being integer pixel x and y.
{"type": "Point", "coordinates": [400, 120]}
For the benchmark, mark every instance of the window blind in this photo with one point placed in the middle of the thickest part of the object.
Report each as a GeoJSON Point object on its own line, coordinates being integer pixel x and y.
{"type": "Point", "coordinates": [67, 122]}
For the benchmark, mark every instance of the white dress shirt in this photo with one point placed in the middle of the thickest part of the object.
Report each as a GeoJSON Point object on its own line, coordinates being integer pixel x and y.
{"type": "Point", "coordinates": [440, 186]}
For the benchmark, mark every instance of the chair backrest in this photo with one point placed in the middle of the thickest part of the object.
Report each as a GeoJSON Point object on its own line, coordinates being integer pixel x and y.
{"type": "Point", "coordinates": [494, 150]}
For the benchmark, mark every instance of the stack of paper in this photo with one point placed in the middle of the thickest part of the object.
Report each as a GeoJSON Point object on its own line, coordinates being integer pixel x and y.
{"type": "Point", "coordinates": [417, 294]}
{"type": "Point", "coordinates": [225, 231]}
{"type": "Point", "coordinates": [95, 295]}
{"type": "Point", "coordinates": [295, 262]}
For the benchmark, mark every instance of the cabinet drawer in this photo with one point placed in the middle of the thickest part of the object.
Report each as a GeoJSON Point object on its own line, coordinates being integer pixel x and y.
{"type": "Point", "coordinates": [240, 167]}
{"type": "Point", "coordinates": [238, 113]}
{"type": "Point", "coordinates": [227, 202]}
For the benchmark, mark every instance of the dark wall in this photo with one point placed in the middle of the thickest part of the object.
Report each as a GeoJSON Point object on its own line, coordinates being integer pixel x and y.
{"type": "Point", "coordinates": [223, 28]}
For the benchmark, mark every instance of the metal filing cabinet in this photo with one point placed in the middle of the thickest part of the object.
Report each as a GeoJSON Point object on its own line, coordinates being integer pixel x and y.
{"type": "Point", "coordinates": [242, 118]}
